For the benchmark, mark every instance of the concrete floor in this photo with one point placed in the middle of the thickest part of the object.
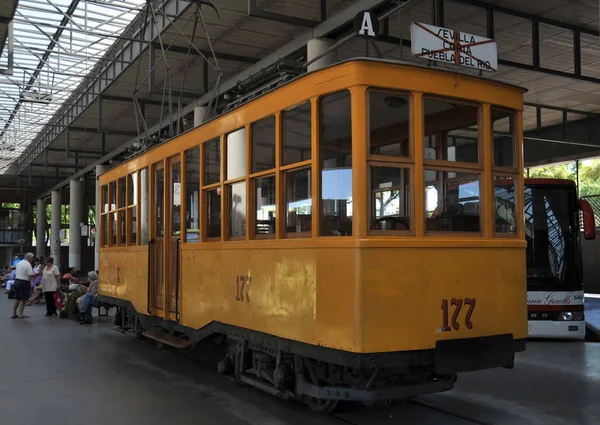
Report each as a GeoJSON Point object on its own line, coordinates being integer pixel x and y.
{"type": "Point", "coordinates": [56, 372]}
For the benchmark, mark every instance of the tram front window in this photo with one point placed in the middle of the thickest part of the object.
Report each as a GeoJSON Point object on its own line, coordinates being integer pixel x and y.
{"type": "Point", "coordinates": [336, 164]}
{"type": "Point", "coordinates": [390, 202]}
{"type": "Point", "coordinates": [451, 131]}
{"type": "Point", "coordinates": [452, 201]}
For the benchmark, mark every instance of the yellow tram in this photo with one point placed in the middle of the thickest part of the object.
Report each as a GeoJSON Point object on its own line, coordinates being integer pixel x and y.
{"type": "Point", "coordinates": [343, 231]}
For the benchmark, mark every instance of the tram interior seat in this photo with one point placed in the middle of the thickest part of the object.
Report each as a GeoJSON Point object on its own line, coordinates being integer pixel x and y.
{"type": "Point", "coordinates": [333, 225]}
{"type": "Point", "coordinates": [458, 218]}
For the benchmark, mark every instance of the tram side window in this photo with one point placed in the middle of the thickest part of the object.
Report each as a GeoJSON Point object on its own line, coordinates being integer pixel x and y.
{"type": "Point", "coordinates": [192, 194]}
{"type": "Point", "coordinates": [263, 144]}
{"type": "Point", "coordinates": [144, 207]}
{"type": "Point", "coordinates": [390, 198]}
{"type": "Point", "coordinates": [455, 127]}
{"type": "Point", "coordinates": [132, 196]}
{"type": "Point", "coordinates": [237, 210]}
{"type": "Point", "coordinates": [213, 210]}
{"type": "Point", "coordinates": [104, 216]}
{"type": "Point", "coordinates": [265, 206]}
{"type": "Point", "coordinates": [504, 205]}
{"type": "Point", "coordinates": [212, 161]}
{"type": "Point", "coordinates": [236, 154]}
{"type": "Point", "coordinates": [503, 122]}
{"type": "Point", "coordinates": [298, 201]}
{"type": "Point", "coordinates": [296, 133]}
{"type": "Point", "coordinates": [105, 198]}
{"type": "Point", "coordinates": [122, 227]}
{"type": "Point", "coordinates": [452, 201]}
{"type": "Point", "coordinates": [113, 196]}
{"type": "Point", "coordinates": [389, 118]}
{"type": "Point", "coordinates": [105, 230]}
{"type": "Point", "coordinates": [122, 192]}
{"type": "Point", "coordinates": [336, 164]}
{"type": "Point", "coordinates": [113, 228]}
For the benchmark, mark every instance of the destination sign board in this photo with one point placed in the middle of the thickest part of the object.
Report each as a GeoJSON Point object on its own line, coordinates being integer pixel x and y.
{"type": "Point", "coordinates": [450, 46]}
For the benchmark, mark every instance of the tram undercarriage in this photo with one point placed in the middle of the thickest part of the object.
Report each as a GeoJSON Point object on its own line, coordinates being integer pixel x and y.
{"type": "Point", "coordinates": [288, 369]}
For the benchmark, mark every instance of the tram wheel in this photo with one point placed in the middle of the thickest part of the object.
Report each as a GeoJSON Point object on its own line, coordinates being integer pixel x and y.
{"type": "Point", "coordinates": [320, 405]}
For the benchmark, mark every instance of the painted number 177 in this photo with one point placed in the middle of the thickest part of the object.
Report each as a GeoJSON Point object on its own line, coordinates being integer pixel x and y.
{"type": "Point", "coordinates": [457, 304]}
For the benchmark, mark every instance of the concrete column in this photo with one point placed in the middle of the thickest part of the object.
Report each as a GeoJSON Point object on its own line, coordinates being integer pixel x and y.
{"type": "Point", "coordinates": [99, 170]}
{"type": "Point", "coordinates": [76, 203]}
{"type": "Point", "coordinates": [55, 227]}
{"type": "Point", "coordinates": [316, 47]}
{"type": "Point", "coordinates": [199, 115]}
{"type": "Point", "coordinates": [40, 234]}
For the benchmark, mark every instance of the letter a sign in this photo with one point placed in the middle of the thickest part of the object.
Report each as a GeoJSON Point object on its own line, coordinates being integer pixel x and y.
{"type": "Point", "coordinates": [366, 24]}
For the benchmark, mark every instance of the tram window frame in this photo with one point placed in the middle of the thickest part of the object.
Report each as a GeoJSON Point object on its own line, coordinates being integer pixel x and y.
{"type": "Point", "coordinates": [515, 184]}
{"type": "Point", "coordinates": [410, 199]}
{"type": "Point", "coordinates": [254, 205]}
{"type": "Point", "coordinates": [481, 200]}
{"type": "Point", "coordinates": [132, 205]}
{"type": "Point", "coordinates": [512, 123]}
{"type": "Point", "coordinates": [310, 189]}
{"type": "Point", "coordinates": [340, 225]}
{"type": "Point", "coordinates": [188, 156]}
{"type": "Point", "coordinates": [206, 222]}
{"type": "Point", "coordinates": [255, 127]}
{"type": "Point", "coordinates": [283, 135]}
{"type": "Point", "coordinates": [409, 157]}
{"type": "Point", "coordinates": [241, 234]}
{"type": "Point", "coordinates": [104, 210]}
{"type": "Point", "coordinates": [144, 206]}
{"type": "Point", "coordinates": [443, 141]}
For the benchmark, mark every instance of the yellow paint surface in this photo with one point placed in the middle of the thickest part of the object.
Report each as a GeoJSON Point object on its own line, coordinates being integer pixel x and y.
{"type": "Point", "coordinates": [364, 293]}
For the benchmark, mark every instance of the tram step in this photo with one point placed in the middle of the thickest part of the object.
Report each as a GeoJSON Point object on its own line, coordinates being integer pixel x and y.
{"type": "Point", "coordinates": [165, 338]}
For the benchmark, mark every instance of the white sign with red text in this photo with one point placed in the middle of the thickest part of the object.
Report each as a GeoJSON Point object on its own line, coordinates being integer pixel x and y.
{"type": "Point", "coordinates": [451, 46]}
{"type": "Point", "coordinates": [555, 297]}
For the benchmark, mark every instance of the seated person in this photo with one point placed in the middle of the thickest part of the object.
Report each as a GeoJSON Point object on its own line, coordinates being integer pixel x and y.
{"type": "Point", "coordinates": [11, 278]}
{"type": "Point", "coordinates": [71, 304]}
{"type": "Point", "coordinates": [88, 300]}
{"type": "Point", "coordinates": [71, 279]}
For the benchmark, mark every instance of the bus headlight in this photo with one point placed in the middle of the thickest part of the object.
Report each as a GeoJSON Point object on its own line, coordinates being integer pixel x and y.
{"type": "Point", "coordinates": [565, 316]}
{"type": "Point", "coordinates": [577, 315]}
{"type": "Point", "coordinates": [571, 316]}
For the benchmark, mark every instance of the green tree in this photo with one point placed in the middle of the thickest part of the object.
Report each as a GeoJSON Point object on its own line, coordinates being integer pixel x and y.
{"type": "Point", "coordinates": [589, 174]}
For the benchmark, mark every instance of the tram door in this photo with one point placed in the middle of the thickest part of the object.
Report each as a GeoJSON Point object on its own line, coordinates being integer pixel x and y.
{"type": "Point", "coordinates": [174, 240]}
{"type": "Point", "coordinates": [167, 237]}
{"type": "Point", "coordinates": [157, 256]}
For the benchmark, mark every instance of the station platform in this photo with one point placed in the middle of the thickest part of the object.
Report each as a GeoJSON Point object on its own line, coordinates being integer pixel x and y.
{"type": "Point", "coordinates": [56, 372]}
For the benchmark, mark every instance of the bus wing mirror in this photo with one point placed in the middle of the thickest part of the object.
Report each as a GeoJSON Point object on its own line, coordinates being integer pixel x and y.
{"type": "Point", "coordinates": [589, 224]}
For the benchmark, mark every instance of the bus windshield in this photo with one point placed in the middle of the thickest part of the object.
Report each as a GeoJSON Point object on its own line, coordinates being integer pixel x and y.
{"type": "Point", "coordinates": [552, 232]}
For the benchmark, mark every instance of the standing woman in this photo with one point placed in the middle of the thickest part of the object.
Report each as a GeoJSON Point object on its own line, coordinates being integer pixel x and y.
{"type": "Point", "coordinates": [50, 284]}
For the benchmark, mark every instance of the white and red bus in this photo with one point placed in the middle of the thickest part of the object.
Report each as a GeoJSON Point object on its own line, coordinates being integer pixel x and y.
{"type": "Point", "coordinates": [555, 293]}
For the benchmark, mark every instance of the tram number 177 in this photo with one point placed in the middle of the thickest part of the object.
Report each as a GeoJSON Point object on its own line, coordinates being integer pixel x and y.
{"type": "Point", "coordinates": [458, 304]}
{"type": "Point", "coordinates": [242, 287]}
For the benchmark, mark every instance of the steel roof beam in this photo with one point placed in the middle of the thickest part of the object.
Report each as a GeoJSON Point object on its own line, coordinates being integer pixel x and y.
{"type": "Point", "coordinates": [208, 53]}
{"type": "Point", "coordinates": [123, 53]}
{"type": "Point", "coordinates": [322, 30]}
{"type": "Point", "coordinates": [530, 17]}
{"type": "Point", "coordinates": [55, 37]}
